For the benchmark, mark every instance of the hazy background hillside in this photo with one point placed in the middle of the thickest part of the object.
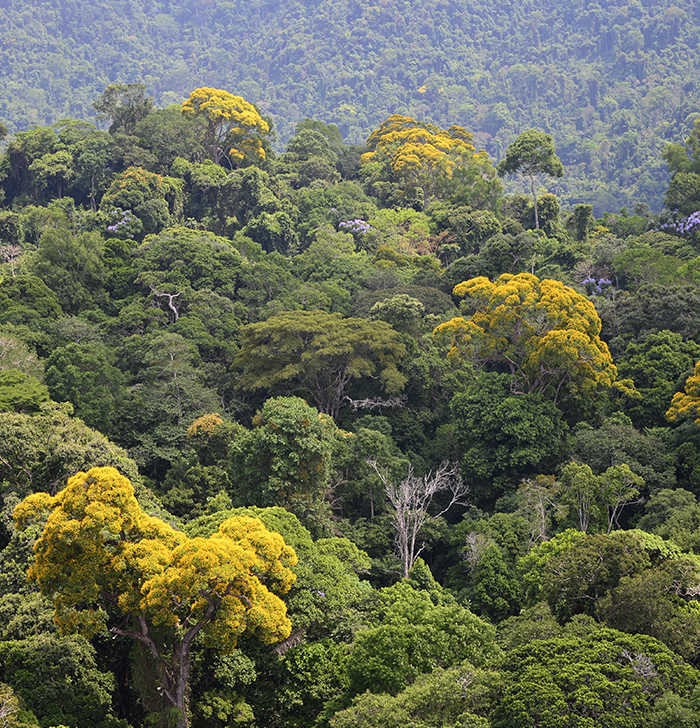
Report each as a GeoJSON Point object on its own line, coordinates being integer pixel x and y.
{"type": "Point", "coordinates": [612, 83]}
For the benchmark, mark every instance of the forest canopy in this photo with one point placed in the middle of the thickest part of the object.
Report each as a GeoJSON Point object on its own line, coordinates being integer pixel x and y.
{"type": "Point", "coordinates": [326, 434]}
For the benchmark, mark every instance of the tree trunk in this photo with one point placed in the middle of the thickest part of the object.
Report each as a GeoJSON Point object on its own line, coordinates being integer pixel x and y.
{"type": "Point", "coordinates": [534, 196]}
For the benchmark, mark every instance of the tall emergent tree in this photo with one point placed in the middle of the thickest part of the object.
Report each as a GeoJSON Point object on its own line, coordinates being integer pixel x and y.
{"type": "Point", "coordinates": [410, 503]}
{"type": "Point", "coordinates": [319, 354]}
{"type": "Point", "coordinates": [124, 104]}
{"type": "Point", "coordinates": [231, 122]}
{"type": "Point", "coordinates": [106, 562]}
{"type": "Point", "coordinates": [424, 159]}
{"type": "Point", "coordinates": [532, 153]}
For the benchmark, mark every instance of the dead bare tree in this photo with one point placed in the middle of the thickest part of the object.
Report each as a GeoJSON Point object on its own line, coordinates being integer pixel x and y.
{"type": "Point", "coordinates": [411, 500]}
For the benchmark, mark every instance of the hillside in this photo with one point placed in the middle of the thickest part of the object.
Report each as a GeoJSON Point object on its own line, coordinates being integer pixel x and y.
{"type": "Point", "coordinates": [335, 439]}
{"type": "Point", "coordinates": [612, 84]}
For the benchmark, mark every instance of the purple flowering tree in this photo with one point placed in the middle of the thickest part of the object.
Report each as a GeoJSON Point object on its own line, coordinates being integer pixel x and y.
{"type": "Point", "coordinates": [686, 226]}
{"type": "Point", "coordinates": [123, 224]}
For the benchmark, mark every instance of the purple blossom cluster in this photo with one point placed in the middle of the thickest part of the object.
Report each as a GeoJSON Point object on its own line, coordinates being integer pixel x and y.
{"type": "Point", "coordinates": [126, 224]}
{"type": "Point", "coordinates": [358, 227]}
{"type": "Point", "coordinates": [684, 226]}
{"type": "Point", "coordinates": [596, 287]}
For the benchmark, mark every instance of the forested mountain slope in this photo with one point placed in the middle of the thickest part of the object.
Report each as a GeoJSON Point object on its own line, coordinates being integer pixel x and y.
{"type": "Point", "coordinates": [611, 83]}
{"type": "Point", "coordinates": [326, 438]}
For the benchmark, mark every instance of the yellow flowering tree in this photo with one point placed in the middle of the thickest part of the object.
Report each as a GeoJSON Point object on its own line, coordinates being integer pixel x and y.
{"type": "Point", "coordinates": [104, 561]}
{"type": "Point", "coordinates": [235, 129]}
{"type": "Point", "coordinates": [687, 403]}
{"type": "Point", "coordinates": [544, 333]}
{"type": "Point", "coordinates": [417, 154]}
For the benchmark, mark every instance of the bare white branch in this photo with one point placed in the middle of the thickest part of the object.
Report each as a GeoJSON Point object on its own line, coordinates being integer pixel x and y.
{"type": "Point", "coordinates": [171, 298]}
{"type": "Point", "coordinates": [377, 403]}
{"type": "Point", "coordinates": [411, 499]}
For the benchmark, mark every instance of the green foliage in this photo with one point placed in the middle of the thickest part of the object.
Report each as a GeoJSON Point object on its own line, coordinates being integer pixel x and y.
{"type": "Point", "coordinates": [169, 392]}
{"type": "Point", "coordinates": [504, 437]}
{"type": "Point", "coordinates": [27, 301]}
{"type": "Point", "coordinates": [40, 452]}
{"type": "Point", "coordinates": [142, 339]}
{"type": "Point", "coordinates": [673, 514]}
{"type": "Point", "coordinates": [124, 105]}
{"type": "Point", "coordinates": [312, 675]}
{"type": "Point", "coordinates": [414, 637]}
{"type": "Point", "coordinates": [616, 441]}
{"type": "Point", "coordinates": [285, 460]}
{"type": "Point", "coordinates": [155, 200]}
{"type": "Point", "coordinates": [494, 590]}
{"type": "Point", "coordinates": [458, 696]}
{"type": "Point", "coordinates": [85, 376]}
{"type": "Point", "coordinates": [603, 679]}
{"type": "Point", "coordinates": [179, 257]}
{"type": "Point", "coordinates": [20, 392]}
{"type": "Point", "coordinates": [319, 354]}
{"type": "Point", "coordinates": [531, 154]}
{"type": "Point", "coordinates": [656, 365]}
{"type": "Point", "coordinates": [59, 680]}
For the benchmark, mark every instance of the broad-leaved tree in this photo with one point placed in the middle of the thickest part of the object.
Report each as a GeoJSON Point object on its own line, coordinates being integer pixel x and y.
{"type": "Point", "coordinates": [235, 129]}
{"type": "Point", "coordinates": [106, 562]}
{"type": "Point", "coordinates": [545, 334]}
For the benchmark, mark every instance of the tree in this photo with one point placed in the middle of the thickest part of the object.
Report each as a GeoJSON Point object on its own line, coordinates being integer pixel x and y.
{"type": "Point", "coordinates": [673, 514]}
{"type": "Point", "coordinates": [580, 490]}
{"type": "Point", "coordinates": [85, 376]}
{"type": "Point", "coordinates": [285, 460]}
{"type": "Point", "coordinates": [169, 135]}
{"type": "Point", "coordinates": [504, 437]}
{"type": "Point", "coordinates": [59, 681]}
{"type": "Point", "coordinates": [413, 632]}
{"type": "Point", "coordinates": [616, 442]}
{"type": "Point", "coordinates": [542, 332]}
{"type": "Point", "coordinates": [181, 257]}
{"type": "Point", "coordinates": [72, 266]}
{"type": "Point", "coordinates": [20, 392]}
{"type": "Point", "coordinates": [686, 404]}
{"type": "Point", "coordinates": [15, 354]}
{"type": "Point", "coordinates": [170, 392]}
{"type": "Point", "coordinates": [39, 452]}
{"type": "Point", "coordinates": [319, 354]}
{"type": "Point", "coordinates": [53, 171]}
{"type": "Point", "coordinates": [410, 503]}
{"type": "Point", "coordinates": [576, 578]}
{"type": "Point", "coordinates": [422, 160]}
{"type": "Point", "coordinates": [494, 590]}
{"type": "Point", "coordinates": [124, 104]}
{"type": "Point", "coordinates": [607, 678]}
{"type": "Point", "coordinates": [231, 122]}
{"type": "Point", "coordinates": [440, 699]}
{"type": "Point", "coordinates": [656, 364]}
{"type": "Point", "coordinates": [92, 165]}
{"type": "Point", "coordinates": [619, 487]}
{"type": "Point", "coordinates": [154, 199]}
{"type": "Point", "coordinates": [104, 561]}
{"type": "Point", "coordinates": [532, 153]}
{"type": "Point", "coordinates": [9, 706]}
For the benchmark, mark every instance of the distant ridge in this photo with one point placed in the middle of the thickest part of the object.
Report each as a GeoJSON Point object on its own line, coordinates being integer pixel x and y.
{"type": "Point", "coordinates": [611, 83]}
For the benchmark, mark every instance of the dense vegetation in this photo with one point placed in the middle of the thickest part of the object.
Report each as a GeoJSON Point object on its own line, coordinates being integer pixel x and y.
{"type": "Point", "coordinates": [341, 435]}
{"type": "Point", "coordinates": [612, 82]}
